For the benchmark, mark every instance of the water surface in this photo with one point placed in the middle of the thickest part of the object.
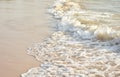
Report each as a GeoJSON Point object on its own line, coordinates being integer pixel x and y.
{"type": "Point", "coordinates": [103, 5]}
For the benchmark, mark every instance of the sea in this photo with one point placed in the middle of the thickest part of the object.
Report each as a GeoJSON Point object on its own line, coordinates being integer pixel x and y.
{"type": "Point", "coordinates": [85, 43]}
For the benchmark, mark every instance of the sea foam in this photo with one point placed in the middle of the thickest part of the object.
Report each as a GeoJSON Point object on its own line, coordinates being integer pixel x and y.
{"type": "Point", "coordinates": [84, 45]}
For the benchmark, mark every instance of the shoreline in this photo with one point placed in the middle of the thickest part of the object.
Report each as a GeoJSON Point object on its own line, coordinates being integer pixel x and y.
{"type": "Point", "coordinates": [79, 47]}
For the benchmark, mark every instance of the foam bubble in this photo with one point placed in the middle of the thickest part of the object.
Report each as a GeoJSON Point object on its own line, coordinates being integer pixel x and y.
{"type": "Point", "coordinates": [84, 45]}
{"type": "Point", "coordinates": [61, 56]}
{"type": "Point", "coordinates": [92, 21]}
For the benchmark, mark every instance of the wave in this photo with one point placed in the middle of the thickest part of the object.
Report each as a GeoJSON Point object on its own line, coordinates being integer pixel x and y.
{"type": "Point", "coordinates": [84, 45]}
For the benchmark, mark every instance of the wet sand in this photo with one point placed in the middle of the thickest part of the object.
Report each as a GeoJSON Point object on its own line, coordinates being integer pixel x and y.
{"type": "Point", "coordinates": [22, 23]}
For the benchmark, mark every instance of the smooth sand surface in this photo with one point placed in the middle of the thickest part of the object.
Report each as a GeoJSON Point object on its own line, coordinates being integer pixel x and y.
{"type": "Point", "coordinates": [22, 22]}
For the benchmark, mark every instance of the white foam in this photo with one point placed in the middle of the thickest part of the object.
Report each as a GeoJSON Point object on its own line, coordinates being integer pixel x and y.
{"type": "Point", "coordinates": [61, 56]}
{"type": "Point", "coordinates": [86, 19]}
{"type": "Point", "coordinates": [83, 46]}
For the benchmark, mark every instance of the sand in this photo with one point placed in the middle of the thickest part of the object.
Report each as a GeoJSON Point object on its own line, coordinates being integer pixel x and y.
{"type": "Point", "coordinates": [22, 23]}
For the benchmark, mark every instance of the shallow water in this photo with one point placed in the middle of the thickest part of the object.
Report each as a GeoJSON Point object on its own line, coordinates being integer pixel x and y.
{"type": "Point", "coordinates": [103, 5]}
{"type": "Point", "coordinates": [22, 22]}
{"type": "Point", "coordinates": [110, 6]}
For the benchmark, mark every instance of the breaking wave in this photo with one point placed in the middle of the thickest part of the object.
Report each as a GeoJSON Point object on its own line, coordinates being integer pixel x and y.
{"type": "Point", "coordinates": [84, 45]}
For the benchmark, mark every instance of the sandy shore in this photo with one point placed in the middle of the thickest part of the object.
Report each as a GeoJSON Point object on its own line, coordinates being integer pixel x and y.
{"type": "Point", "coordinates": [20, 26]}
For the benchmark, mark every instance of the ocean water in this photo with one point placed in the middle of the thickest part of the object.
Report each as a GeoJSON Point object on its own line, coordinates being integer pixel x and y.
{"type": "Point", "coordinates": [86, 42]}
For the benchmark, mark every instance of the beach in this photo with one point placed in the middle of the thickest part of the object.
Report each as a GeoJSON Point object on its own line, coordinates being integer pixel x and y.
{"type": "Point", "coordinates": [22, 23]}
{"type": "Point", "coordinates": [60, 38]}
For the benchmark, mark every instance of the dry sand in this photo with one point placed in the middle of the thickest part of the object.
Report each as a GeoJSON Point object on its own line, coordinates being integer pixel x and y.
{"type": "Point", "coordinates": [21, 24]}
